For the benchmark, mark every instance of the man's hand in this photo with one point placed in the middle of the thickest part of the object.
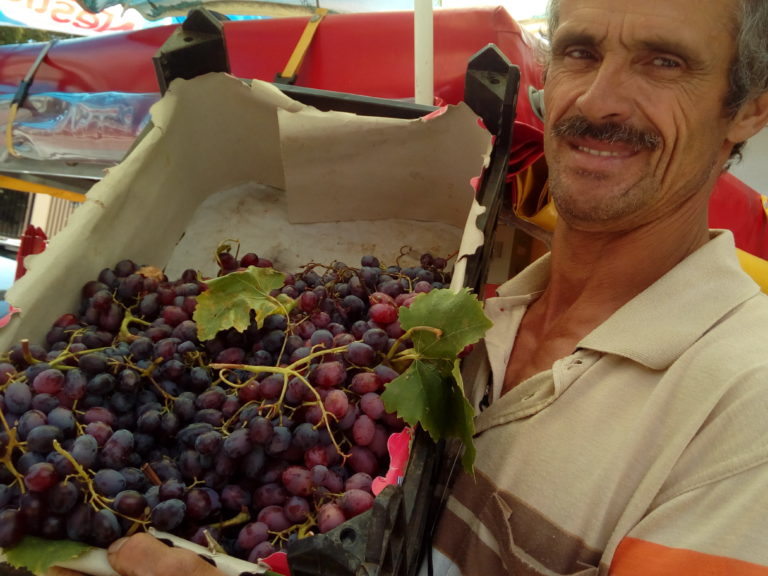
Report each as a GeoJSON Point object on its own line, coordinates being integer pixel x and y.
{"type": "Point", "coordinates": [58, 571]}
{"type": "Point", "coordinates": [144, 555]}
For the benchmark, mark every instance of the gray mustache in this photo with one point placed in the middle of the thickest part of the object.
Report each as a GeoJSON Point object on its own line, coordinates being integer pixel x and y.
{"type": "Point", "coordinates": [609, 132]}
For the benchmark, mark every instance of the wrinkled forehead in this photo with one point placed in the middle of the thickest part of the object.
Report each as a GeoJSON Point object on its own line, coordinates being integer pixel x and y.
{"type": "Point", "coordinates": [704, 22]}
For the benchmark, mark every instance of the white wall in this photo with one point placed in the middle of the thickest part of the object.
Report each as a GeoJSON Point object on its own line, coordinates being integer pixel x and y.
{"type": "Point", "coordinates": [753, 169]}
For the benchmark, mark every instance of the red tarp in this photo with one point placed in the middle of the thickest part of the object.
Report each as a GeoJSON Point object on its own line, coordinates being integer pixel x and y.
{"type": "Point", "coordinates": [369, 54]}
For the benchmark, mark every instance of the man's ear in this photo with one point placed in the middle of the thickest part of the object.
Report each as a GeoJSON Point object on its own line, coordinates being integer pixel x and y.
{"type": "Point", "coordinates": [750, 119]}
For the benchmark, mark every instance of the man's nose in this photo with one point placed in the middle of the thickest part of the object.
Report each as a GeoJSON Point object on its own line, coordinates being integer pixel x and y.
{"type": "Point", "coordinates": [608, 93]}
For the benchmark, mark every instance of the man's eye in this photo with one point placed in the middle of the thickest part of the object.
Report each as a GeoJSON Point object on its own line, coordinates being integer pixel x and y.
{"type": "Point", "coordinates": [579, 54]}
{"type": "Point", "coordinates": [664, 62]}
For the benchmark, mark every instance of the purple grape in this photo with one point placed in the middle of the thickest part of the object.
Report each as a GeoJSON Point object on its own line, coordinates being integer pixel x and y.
{"type": "Point", "coordinates": [297, 509]}
{"type": "Point", "coordinates": [192, 464]}
{"type": "Point", "coordinates": [361, 459]}
{"type": "Point", "coordinates": [269, 494]}
{"type": "Point", "coordinates": [250, 535]}
{"type": "Point", "coordinates": [84, 450]}
{"type": "Point", "coordinates": [12, 527]}
{"type": "Point", "coordinates": [7, 371]}
{"type": "Point", "coordinates": [18, 397]}
{"type": "Point", "coordinates": [305, 436]}
{"type": "Point", "coordinates": [40, 477]}
{"type": "Point", "coordinates": [354, 502]}
{"type": "Point", "coordinates": [212, 398]}
{"type": "Point", "coordinates": [188, 435]}
{"type": "Point", "coordinates": [29, 420]}
{"type": "Point", "coordinates": [117, 449]}
{"type": "Point", "coordinates": [63, 496]}
{"type": "Point", "coordinates": [234, 497]}
{"type": "Point", "coordinates": [93, 363]}
{"type": "Point", "coordinates": [298, 481]}
{"type": "Point", "coordinates": [260, 430]}
{"type": "Point", "coordinates": [337, 403]}
{"type": "Point", "coordinates": [105, 528]}
{"type": "Point", "coordinates": [172, 488]}
{"type": "Point", "coordinates": [209, 442]}
{"type": "Point", "coordinates": [360, 354]}
{"type": "Point", "coordinates": [100, 431]}
{"type": "Point", "coordinates": [101, 384]}
{"type": "Point", "coordinates": [253, 462]}
{"type": "Point", "coordinates": [63, 419]}
{"type": "Point", "coordinates": [108, 482]}
{"type": "Point", "coordinates": [231, 355]}
{"type": "Point", "coordinates": [53, 527]}
{"type": "Point", "coordinates": [98, 414]}
{"type": "Point", "coordinates": [365, 382]}
{"type": "Point", "coordinates": [131, 503]}
{"type": "Point", "coordinates": [280, 441]}
{"type": "Point", "coordinates": [274, 518]}
{"type": "Point", "coordinates": [202, 503]}
{"type": "Point", "coordinates": [168, 514]}
{"type": "Point", "coordinates": [237, 444]}
{"type": "Point", "coordinates": [372, 405]}
{"type": "Point", "coordinates": [363, 430]}
{"type": "Point", "coordinates": [74, 384]}
{"type": "Point", "coordinates": [49, 381]}
{"type": "Point", "coordinates": [40, 439]}
{"type": "Point", "coordinates": [328, 374]}
{"type": "Point", "coordinates": [329, 516]}
{"type": "Point", "coordinates": [25, 461]}
{"type": "Point", "coordinates": [261, 551]}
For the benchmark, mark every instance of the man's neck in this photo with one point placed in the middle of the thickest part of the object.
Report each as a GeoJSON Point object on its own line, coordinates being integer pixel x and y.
{"type": "Point", "coordinates": [601, 272]}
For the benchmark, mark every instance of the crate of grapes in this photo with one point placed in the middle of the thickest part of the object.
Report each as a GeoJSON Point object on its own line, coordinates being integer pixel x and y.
{"type": "Point", "coordinates": [203, 350]}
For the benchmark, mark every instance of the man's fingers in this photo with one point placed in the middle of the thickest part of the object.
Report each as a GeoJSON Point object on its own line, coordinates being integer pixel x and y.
{"type": "Point", "coordinates": [143, 555]}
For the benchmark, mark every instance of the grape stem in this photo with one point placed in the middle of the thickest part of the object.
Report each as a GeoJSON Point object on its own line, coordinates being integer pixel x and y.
{"type": "Point", "coordinates": [128, 318]}
{"type": "Point", "coordinates": [240, 518]}
{"type": "Point", "coordinates": [150, 473]}
{"type": "Point", "coordinates": [289, 371]}
{"type": "Point", "coordinates": [95, 499]}
{"type": "Point", "coordinates": [28, 358]}
{"type": "Point", "coordinates": [7, 458]}
{"type": "Point", "coordinates": [408, 335]}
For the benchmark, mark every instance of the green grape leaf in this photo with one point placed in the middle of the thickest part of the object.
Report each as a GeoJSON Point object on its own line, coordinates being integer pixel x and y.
{"type": "Point", "coordinates": [229, 300]}
{"type": "Point", "coordinates": [430, 394]}
{"type": "Point", "coordinates": [458, 315]}
{"type": "Point", "coordinates": [464, 424]}
{"type": "Point", "coordinates": [38, 554]}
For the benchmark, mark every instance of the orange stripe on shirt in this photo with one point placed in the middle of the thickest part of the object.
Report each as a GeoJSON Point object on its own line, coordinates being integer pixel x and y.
{"type": "Point", "coordinates": [636, 557]}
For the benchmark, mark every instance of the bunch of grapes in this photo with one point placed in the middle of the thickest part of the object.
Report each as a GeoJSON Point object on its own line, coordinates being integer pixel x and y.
{"type": "Point", "coordinates": [125, 419]}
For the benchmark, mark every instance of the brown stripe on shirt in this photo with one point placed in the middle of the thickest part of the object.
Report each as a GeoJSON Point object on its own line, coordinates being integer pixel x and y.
{"type": "Point", "coordinates": [512, 537]}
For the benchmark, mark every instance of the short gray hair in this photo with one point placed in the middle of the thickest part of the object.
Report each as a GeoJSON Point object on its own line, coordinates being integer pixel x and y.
{"type": "Point", "coordinates": [749, 71]}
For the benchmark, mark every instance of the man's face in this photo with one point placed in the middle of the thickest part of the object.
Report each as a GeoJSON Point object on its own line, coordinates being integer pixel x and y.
{"type": "Point", "coordinates": [634, 107]}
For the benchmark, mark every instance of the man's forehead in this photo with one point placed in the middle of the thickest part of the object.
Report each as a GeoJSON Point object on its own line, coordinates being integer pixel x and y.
{"type": "Point", "coordinates": [720, 5]}
{"type": "Point", "coordinates": [702, 18]}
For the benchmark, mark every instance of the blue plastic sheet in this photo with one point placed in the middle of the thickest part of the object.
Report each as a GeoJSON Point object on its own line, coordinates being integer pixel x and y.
{"type": "Point", "coordinates": [152, 9]}
{"type": "Point", "coordinates": [84, 127]}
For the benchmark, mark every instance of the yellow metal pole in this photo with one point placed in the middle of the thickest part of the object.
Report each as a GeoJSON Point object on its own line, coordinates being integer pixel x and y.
{"type": "Point", "coordinates": [301, 46]}
{"type": "Point", "coordinates": [35, 188]}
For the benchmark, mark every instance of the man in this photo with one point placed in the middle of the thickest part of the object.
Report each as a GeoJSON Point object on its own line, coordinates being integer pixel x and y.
{"type": "Point", "coordinates": [627, 430]}
{"type": "Point", "coordinates": [622, 393]}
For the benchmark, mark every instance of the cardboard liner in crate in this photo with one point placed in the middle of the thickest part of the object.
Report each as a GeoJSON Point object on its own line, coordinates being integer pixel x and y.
{"type": "Point", "coordinates": [228, 161]}
{"type": "Point", "coordinates": [225, 160]}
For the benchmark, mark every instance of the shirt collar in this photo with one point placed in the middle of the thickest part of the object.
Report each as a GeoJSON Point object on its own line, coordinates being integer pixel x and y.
{"type": "Point", "coordinates": [660, 323]}
{"type": "Point", "coordinates": [663, 321]}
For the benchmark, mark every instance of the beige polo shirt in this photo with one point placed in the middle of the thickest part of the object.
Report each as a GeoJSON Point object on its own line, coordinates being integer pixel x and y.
{"type": "Point", "coordinates": [645, 450]}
